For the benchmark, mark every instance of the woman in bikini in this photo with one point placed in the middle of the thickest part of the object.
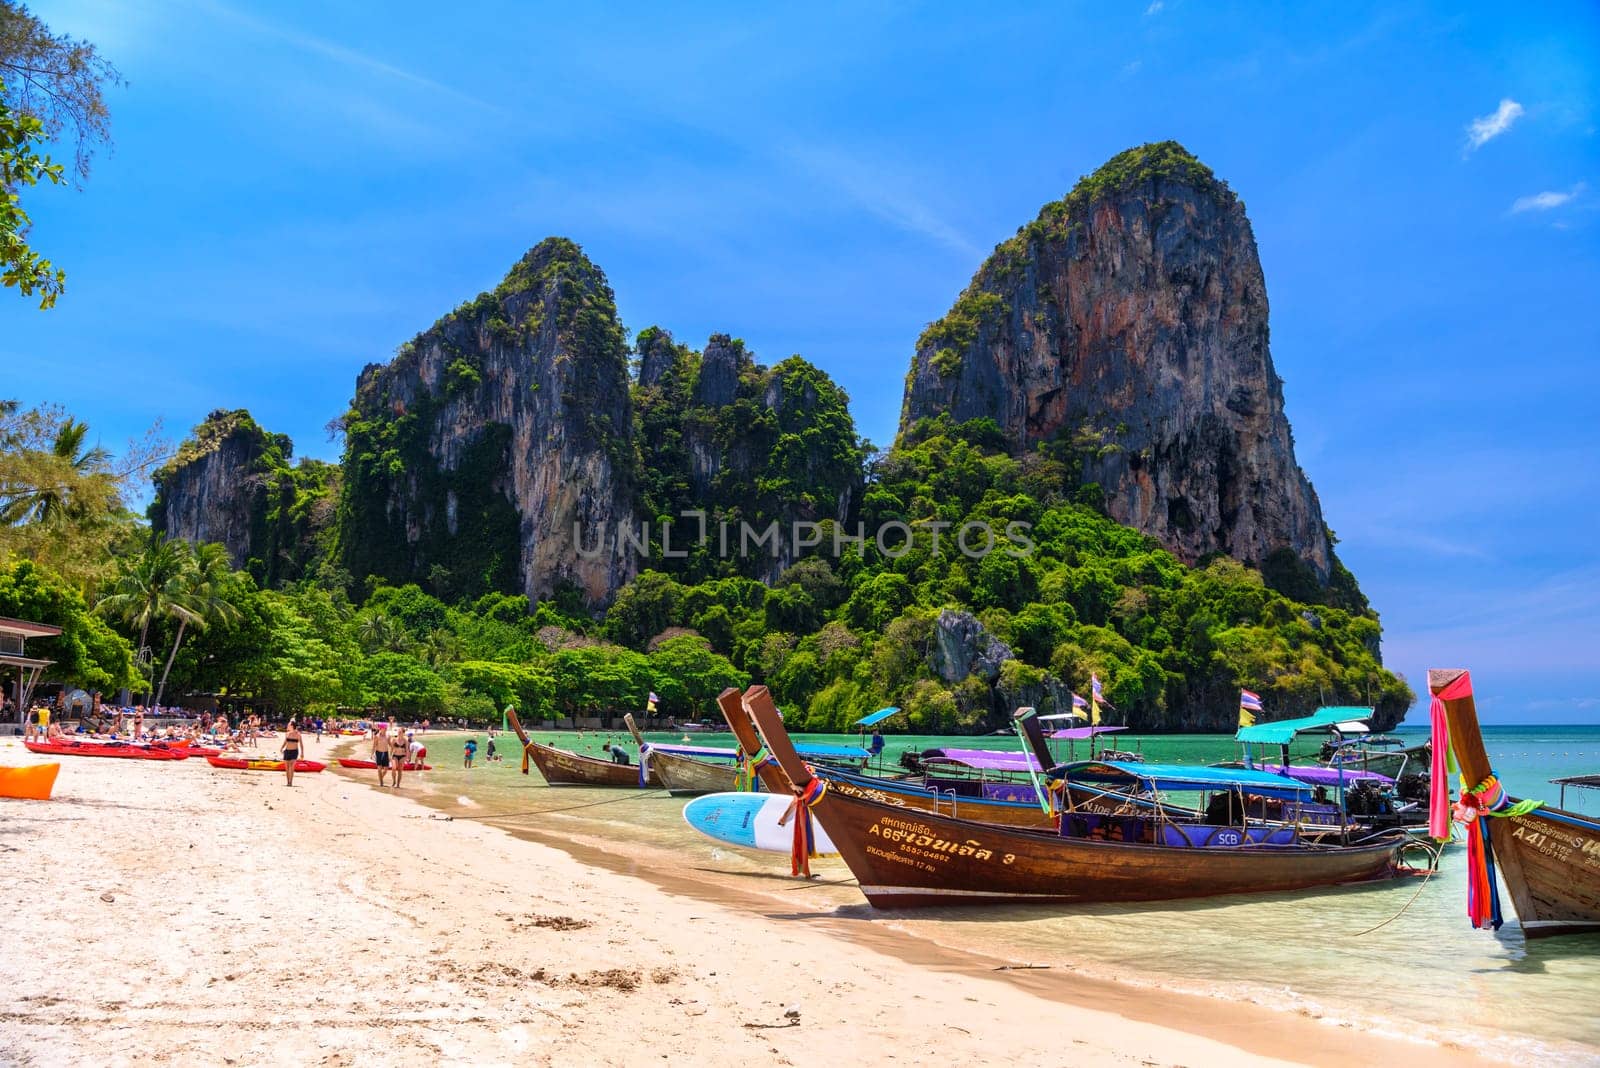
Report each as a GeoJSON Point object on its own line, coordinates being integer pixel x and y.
{"type": "Point", "coordinates": [291, 750]}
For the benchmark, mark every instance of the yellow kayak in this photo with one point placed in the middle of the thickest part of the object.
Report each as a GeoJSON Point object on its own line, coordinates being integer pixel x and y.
{"type": "Point", "coordinates": [33, 782]}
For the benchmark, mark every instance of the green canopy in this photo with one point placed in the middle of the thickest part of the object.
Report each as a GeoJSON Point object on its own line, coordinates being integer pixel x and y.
{"type": "Point", "coordinates": [1322, 720]}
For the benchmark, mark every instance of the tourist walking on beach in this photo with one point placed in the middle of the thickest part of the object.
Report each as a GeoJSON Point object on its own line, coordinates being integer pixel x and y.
{"type": "Point", "coordinates": [397, 752]}
{"type": "Point", "coordinates": [380, 753]}
{"type": "Point", "coordinates": [291, 751]}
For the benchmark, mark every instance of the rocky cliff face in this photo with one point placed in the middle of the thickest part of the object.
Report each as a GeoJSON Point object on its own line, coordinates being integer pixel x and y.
{"type": "Point", "coordinates": [1126, 328]}
{"type": "Point", "coordinates": [232, 483]}
{"type": "Point", "coordinates": [214, 489]}
{"type": "Point", "coordinates": [474, 456]}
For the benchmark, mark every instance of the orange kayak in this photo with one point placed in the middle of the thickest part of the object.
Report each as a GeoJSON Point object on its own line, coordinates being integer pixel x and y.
{"type": "Point", "coordinates": [33, 782]}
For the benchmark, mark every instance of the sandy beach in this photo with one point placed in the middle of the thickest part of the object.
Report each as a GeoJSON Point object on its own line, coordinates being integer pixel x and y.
{"type": "Point", "coordinates": [182, 914]}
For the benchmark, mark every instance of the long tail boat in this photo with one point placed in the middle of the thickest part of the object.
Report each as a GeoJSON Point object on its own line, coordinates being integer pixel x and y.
{"type": "Point", "coordinates": [902, 795]}
{"type": "Point", "coordinates": [562, 768]}
{"type": "Point", "coordinates": [1549, 857]}
{"type": "Point", "coordinates": [906, 859]}
{"type": "Point", "coordinates": [682, 773]}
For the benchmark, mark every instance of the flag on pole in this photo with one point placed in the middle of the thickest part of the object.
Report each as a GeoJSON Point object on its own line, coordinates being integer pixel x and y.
{"type": "Point", "coordinates": [1095, 699]}
{"type": "Point", "coordinates": [1078, 702]}
{"type": "Point", "coordinates": [650, 704]}
{"type": "Point", "coordinates": [1249, 705]}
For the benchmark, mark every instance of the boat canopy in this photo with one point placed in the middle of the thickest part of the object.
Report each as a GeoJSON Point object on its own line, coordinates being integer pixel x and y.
{"type": "Point", "coordinates": [877, 717]}
{"type": "Point", "coordinates": [1078, 734]}
{"type": "Point", "coordinates": [1316, 775]}
{"type": "Point", "coordinates": [1182, 777]}
{"type": "Point", "coordinates": [1320, 721]}
{"type": "Point", "coordinates": [983, 759]}
{"type": "Point", "coordinates": [808, 750]}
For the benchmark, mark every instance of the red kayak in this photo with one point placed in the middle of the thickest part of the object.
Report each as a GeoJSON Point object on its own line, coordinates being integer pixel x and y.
{"type": "Point", "coordinates": [239, 764]}
{"type": "Point", "coordinates": [346, 762]}
{"type": "Point", "coordinates": [188, 748]}
{"type": "Point", "coordinates": [106, 749]}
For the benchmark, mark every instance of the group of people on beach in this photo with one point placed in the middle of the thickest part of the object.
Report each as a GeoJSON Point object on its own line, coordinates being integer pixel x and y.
{"type": "Point", "coordinates": [393, 747]}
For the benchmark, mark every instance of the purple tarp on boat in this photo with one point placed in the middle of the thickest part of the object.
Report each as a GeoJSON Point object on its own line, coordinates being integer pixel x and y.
{"type": "Point", "coordinates": [986, 759]}
{"type": "Point", "coordinates": [1080, 734]}
{"type": "Point", "coordinates": [1319, 776]}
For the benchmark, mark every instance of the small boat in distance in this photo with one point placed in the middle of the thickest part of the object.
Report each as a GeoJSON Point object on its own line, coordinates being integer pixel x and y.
{"type": "Point", "coordinates": [1549, 857]}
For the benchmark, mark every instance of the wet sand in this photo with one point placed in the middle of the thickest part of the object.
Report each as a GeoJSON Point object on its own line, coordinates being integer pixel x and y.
{"type": "Point", "coordinates": [182, 914]}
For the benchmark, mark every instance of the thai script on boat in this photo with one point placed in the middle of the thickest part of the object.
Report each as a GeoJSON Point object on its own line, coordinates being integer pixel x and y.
{"type": "Point", "coordinates": [921, 840]}
{"type": "Point", "coordinates": [1557, 845]}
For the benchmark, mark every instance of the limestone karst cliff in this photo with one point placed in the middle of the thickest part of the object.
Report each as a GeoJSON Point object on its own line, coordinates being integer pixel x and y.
{"type": "Point", "coordinates": [1126, 329]}
{"type": "Point", "coordinates": [232, 482]}
{"type": "Point", "coordinates": [474, 456]}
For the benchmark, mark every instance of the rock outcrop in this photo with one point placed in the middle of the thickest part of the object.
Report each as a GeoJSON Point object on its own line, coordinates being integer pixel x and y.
{"type": "Point", "coordinates": [496, 439]}
{"type": "Point", "coordinates": [231, 482]}
{"type": "Point", "coordinates": [1126, 329]}
{"type": "Point", "coordinates": [962, 647]}
{"type": "Point", "coordinates": [213, 490]}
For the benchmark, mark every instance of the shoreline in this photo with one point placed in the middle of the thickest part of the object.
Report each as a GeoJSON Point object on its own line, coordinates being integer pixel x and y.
{"type": "Point", "coordinates": [236, 920]}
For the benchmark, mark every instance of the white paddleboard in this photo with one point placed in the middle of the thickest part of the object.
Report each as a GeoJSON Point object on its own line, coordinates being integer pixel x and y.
{"type": "Point", "coordinates": [751, 821]}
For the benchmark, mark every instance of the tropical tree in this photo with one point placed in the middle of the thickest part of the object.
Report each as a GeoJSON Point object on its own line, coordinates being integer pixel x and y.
{"type": "Point", "coordinates": [54, 498]}
{"type": "Point", "coordinates": [151, 587]}
{"type": "Point", "coordinates": [209, 584]}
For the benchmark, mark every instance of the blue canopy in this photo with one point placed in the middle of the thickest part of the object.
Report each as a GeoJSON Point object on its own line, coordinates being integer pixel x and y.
{"type": "Point", "coordinates": [1182, 777]}
{"type": "Point", "coordinates": [831, 752]}
{"type": "Point", "coordinates": [1283, 731]}
{"type": "Point", "coordinates": [877, 717]}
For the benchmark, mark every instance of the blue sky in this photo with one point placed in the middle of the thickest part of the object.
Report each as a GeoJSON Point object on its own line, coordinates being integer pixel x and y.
{"type": "Point", "coordinates": [296, 189]}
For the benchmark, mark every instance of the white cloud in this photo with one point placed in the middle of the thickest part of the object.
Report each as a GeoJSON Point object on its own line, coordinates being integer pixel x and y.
{"type": "Point", "coordinates": [1481, 131]}
{"type": "Point", "coordinates": [1155, 7]}
{"type": "Point", "coordinates": [879, 191]}
{"type": "Point", "coordinates": [340, 54]}
{"type": "Point", "coordinates": [1545, 201]}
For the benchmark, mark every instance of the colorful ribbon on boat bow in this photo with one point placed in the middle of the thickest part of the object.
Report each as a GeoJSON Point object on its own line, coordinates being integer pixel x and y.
{"type": "Point", "coordinates": [745, 778]}
{"type": "Point", "coordinates": [1488, 798]}
{"type": "Point", "coordinates": [805, 842]}
{"type": "Point", "coordinates": [527, 747]}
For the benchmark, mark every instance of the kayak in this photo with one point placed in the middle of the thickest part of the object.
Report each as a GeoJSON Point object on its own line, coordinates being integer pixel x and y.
{"type": "Point", "coordinates": [189, 748]}
{"type": "Point", "coordinates": [33, 782]}
{"type": "Point", "coordinates": [346, 762]}
{"type": "Point", "coordinates": [239, 764]}
{"type": "Point", "coordinates": [105, 749]}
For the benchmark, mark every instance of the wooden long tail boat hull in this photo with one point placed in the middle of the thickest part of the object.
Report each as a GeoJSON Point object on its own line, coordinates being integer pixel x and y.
{"type": "Point", "coordinates": [911, 859]}
{"type": "Point", "coordinates": [561, 768]}
{"type": "Point", "coordinates": [685, 776]}
{"type": "Point", "coordinates": [905, 860]}
{"type": "Point", "coordinates": [1550, 857]}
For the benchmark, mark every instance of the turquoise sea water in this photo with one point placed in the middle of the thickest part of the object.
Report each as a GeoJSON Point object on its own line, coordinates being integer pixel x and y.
{"type": "Point", "coordinates": [1425, 972]}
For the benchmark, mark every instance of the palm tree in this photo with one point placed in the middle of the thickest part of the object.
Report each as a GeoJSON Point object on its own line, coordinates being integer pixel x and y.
{"type": "Point", "coordinates": [442, 646]}
{"type": "Point", "coordinates": [150, 587]}
{"type": "Point", "coordinates": [208, 598]}
{"type": "Point", "coordinates": [70, 463]}
{"type": "Point", "coordinates": [379, 632]}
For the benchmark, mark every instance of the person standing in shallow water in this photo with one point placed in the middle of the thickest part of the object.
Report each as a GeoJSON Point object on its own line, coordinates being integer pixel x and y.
{"type": "Point", "coordinates": [291, 751]}
{"type": "Point", "coordinates": [469, 751]}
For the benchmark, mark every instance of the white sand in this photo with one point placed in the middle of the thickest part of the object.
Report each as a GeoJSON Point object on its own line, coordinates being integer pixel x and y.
{"type": "Point", "coordinates": [180, 914]}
